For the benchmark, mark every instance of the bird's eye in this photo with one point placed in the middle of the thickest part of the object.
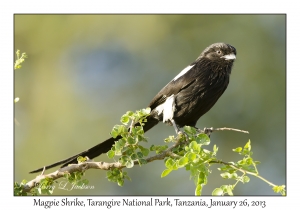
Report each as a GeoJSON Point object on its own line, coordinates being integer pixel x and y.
{"type": "Point", "coordinates": [219, 52]}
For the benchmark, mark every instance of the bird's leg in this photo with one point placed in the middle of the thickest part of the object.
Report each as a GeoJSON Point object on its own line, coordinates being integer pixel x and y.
{"type": "Point", "coordinates": [177, 130]}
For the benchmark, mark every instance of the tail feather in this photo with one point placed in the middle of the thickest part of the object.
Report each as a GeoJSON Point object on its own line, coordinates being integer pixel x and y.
{"type": "Point", "coordinates": [97, 150]}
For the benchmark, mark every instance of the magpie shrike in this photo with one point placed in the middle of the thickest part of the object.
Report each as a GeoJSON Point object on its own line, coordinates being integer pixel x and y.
{"type": "Point", "coordinates": [184, 99]}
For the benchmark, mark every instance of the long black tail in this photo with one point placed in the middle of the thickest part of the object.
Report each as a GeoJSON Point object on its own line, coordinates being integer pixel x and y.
{"type": "Point", "coordinates": [97, 150]}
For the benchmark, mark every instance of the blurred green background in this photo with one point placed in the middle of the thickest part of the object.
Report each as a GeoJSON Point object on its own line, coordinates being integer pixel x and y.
{"type": "Point", "coordinates": [85, 71]}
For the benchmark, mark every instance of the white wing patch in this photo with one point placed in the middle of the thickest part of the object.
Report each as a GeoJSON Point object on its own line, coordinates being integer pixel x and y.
{"type": "Point", "coordinates": [167, 108]}
{"type": "Point", "coordinates": [186, 69]}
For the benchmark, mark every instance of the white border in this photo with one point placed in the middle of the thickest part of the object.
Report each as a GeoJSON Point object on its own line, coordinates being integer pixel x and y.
{"type": "Point", "coordinates": [137, 6]}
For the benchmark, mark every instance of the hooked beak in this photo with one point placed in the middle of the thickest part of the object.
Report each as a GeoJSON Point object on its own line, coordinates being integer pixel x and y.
{"type": "Point", "coordinates": [229, 57]}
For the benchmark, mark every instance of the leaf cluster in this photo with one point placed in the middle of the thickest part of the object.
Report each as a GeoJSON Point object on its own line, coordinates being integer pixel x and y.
{"type": "Point", "coordinates": [128, 147]}
{"type": "Point", "coordinates": [193, 157]}
{"type": "Point", "coordinates": [19, 188]}
{"type": "Point", "coordinates": [75, 178]}
{"type": "Point", "coordinates": [20, 59]}
{"type": "Point", "coordinates": [230, 170]}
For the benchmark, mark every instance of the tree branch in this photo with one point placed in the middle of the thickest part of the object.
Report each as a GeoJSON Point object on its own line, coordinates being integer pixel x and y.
{"type": "Point", "coordinates": [89, 164]}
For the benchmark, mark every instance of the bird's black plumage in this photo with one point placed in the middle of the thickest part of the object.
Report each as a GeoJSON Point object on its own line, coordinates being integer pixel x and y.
{"type": "Point", "coordinates": [184, 99]}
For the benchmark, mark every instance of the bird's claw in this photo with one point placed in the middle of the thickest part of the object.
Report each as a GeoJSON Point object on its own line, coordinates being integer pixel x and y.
{"type": "Point", "coordinates": [208, 131]}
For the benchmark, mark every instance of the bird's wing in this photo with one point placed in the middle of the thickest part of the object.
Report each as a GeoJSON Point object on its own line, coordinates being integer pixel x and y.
{"type": "Point", "coordinates": [183, 79]}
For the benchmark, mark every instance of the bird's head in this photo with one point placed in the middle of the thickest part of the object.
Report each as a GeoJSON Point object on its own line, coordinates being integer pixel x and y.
{"type": "Point", "coordinates": [220, 52]}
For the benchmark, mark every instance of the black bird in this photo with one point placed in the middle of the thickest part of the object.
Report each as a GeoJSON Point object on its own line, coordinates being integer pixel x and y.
{"type": "Point", "coordinates": [184, 99]}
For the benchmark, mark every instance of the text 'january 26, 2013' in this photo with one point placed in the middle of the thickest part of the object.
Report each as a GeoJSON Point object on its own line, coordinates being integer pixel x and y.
{"type": "Point", "coordinates": [144, 201]}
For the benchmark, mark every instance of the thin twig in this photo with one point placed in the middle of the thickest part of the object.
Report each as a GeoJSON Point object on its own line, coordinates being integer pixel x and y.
{"type": "Point", "coordinates": [243, 171]}
{"type": "Point", "coordinates": [131, 126]}
{"type": "Point", "coordinates": [43, 170]}
{"type": "Point", "coordinates": [229, 129]}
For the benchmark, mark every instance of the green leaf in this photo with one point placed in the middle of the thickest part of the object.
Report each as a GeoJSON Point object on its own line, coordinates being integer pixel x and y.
{"type": "Point", "coordinates": [125, 175]}
{"type": "Point", "coordinates": [152, 148]}
{"type": "Point", "coordinates": [131, 140]}
{"type": "Point", "coordinates": [188, 167]}
{"type": "Point", "coordinates": [145, 151]}
{"type": "Point", "coordinates": [139, 130]}
{"type": "Point", "coordinates": [125, 119]}
{"type": "Point", "coordinates": [249, 161]}
{"type": "Point", "coordinates": [175, 166]}
{"type": "Point", "coordinates": [238, 149]}
{"type": "Point", "coordinates": [142, 161]}
{"type": "Point", "coordinates": [191, 156]}
{"type": "Point", "coordinates": [118, 130]}
{"type": "Point", "coordinates": [246, 179]}
{"type": "Point", "coordinates": [225, 175]}
{"type": "Point", "coordinates": [118, 146]}
{"type": "Point", "coordinates": [248, 145]}
{"type": "Point", "coordinates": [114, 133]}
{"type": "Point", "coordinates": [165, 172]}
{"type": "Point", "coordinates": [228, 175]}
{"type": "Point", "coordinates": [139, 155]}
{"type": "Point", "coordinates": [234, 175]}
{"type": "Point", "coordinates": [279, 189]}
{"type": "Point", "coordinates": [189, 130]}
{"type": "Point", "coordinates": [122, 142]}
{"type": "Point", "coordinates": [110, 154]}
{"type": "Point", "coordinates": [169, 139]}
{"type": "Point", "coordinates": [124, 159]}
{"type": "Point", "coordinates": [229, 190]}
{"type": "Point", "coordinates": [198, 190]}
{"type": "Point", "coordinates": [129, 151]}
{"type": "Point", "coordinates": [206, 154]}
{"type": "Point", "coordinates": [146, 111]}
{"type": "Point", "coordinates": [120, 182]}
{"type": "Point", "coordinates": [203, 139]}
{"type": "Point", "coordinates": [122, 129]}
{"type": "Point", "coordinates": [162, 148]}
{"type": "Point", "coordinates": [81, 159]}
{"type": "Point", "coordinates": [141, 138]}
{"type": "Point", "coordinates": [169, 163]}
{"type": "Point", "coordinates": [118, 152]}
{"type": "Point", "coordinates": [195, 148]}
{"type": "Point", "coordinates": [129, 113]}
{"type": "Point", "coordinates": [134, 156]}
{"type": "Point", "coordinates": [158, 149]}
{"type": "Point", "coordinates": [109, 174]}
{"type": "Point", "coordinates": [201, 178]}
{"type": "Point", "coordinates": [217, 191]}
{"type": "Point", "coordinates": [129, 164]}
{"type": "Point", "coordinates": [183, 161]}
{"type": "Point", "coordinates": [215, 149]}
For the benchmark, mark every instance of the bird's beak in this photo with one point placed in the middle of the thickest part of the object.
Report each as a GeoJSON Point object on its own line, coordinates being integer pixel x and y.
{"type": "Point", "coordinates": [229, 57]}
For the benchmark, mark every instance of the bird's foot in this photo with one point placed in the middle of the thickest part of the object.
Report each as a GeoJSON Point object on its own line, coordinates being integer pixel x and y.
{"type": "Point", "coordinates": [177, 130]}
{"type": "Point", "coordinates": [183, 133]}
{"type": "Point", "coordinates": [208, 131]}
